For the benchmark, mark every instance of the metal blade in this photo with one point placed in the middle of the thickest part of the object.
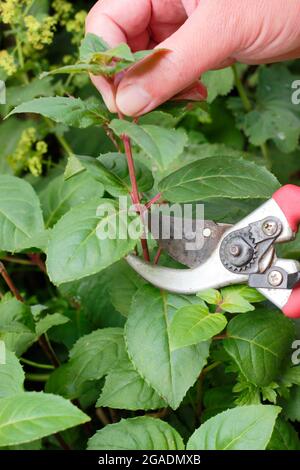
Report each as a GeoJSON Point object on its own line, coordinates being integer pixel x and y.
{"type": "Point", "coordinates": [187, 281]}
{"type": "Point", "coordinates": [189, 241]}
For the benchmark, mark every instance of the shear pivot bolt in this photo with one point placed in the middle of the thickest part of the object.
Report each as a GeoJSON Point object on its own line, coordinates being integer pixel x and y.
{"type": "Point", "coordinates": [275, 278]}
{"type": "Point", "coordinates": [235, 250]}
{"type": "Point", "coordinates": [270, 227]}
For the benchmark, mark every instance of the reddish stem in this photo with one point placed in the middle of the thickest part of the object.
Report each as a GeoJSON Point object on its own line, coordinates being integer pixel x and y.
{"type": "Point", "coordinates": [153, 200]}
{"type": "Point", "coordinates": [157, 256]}
{"type": "Point", "coordinates": [135, 192]}
{"type": "Point", "coordinates": [10, 283]}
{"type": "Point", "coordinates": [36, 259]}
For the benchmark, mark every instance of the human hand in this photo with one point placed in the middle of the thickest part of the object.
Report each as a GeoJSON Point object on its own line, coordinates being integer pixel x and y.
{"type": "Point", "coordinates": [200, 35]}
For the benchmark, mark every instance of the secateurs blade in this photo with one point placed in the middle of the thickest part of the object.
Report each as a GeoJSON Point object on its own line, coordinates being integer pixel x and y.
{"type": "Point", "coordinates": [234, 254]}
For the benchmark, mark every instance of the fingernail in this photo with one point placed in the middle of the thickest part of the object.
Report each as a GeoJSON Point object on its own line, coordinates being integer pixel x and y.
{"type": "Point", "coordinates": [132, 100]}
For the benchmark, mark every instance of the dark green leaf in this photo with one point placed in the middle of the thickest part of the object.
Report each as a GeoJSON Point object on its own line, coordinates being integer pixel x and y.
{"type": "Point", "coordinates": [284, 437]}
{"type": "Point", "coordinates": [218, 177]}
{"type": "Point", "coordinates": [259, 342]}
{"type": "Point", "coordinates": [170, 373]}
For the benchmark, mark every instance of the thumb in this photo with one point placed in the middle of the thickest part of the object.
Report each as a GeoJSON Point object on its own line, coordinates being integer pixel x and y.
{"type": "Point", "coordinates": [203, 42]}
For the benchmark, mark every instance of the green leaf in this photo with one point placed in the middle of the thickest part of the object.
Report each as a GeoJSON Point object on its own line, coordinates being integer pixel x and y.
{"type": "Point", "coordinates": [20, 214]}
{"type": "Point", "coordinates": [241, 428]}
{"type": "Point", "coordinates": [49, 321]}
{"type": "Point", "coordinates": [97, 170]}
{"type": "Point", "coordinates": [275, 116]}
{"type": "Point", "coordinates": [216, 400]}
{"type": "Point", "coordinates": [170, 373]}
{"type": "Point", "coordinates": [90, 44]}
{"type": "Point", "coordinates": [218, 82]}
{"type": "Point", "coordinates": [60, 195]}
{"type": "Point", "coordinates": [70, 111]}
{"type": "Point", "coordinates": [218, 177]}
{"type": "Point", "coordinates": [160, 144]}
{"type": "Point", "coordinates": [15, 316]}
{"type": "Point", "coordinates": [19, 94]}
{"type": "Point", "coordinates": [210, 296]}
{"type": "Point", "coordinates": [11, 376]}
{"type": "Point", "coordinates": [124, 283]}
{"type": "Point", "coordinates": [234, 299]}
{"type": "Point", "coordinates": [75, 249]}
{"type": "Point", "coordinates": [193, 324]}
{"type": "Point", "coordinates": [125, 389]}
{"type": "Point", "coordinates": [117, 164]}
{"type": "Point", "coordinates": [29, 416]}
{"type": "Point", "coordinates": [291, 405]}
{"type": "Point", "coordinates": [92, 357]}
{"type": "Point", "coordinates": [259, 343]}
{"type": "Point", "coordinates": [142, 433]}
{"type": "Point", "coordinates": [92, 294]}
{"type": "Point", "coordinates": [284, 437]}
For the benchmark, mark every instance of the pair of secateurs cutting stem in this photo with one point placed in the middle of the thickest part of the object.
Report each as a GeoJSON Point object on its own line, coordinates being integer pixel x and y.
{"type": "Point", "coordinates": [241, 253]}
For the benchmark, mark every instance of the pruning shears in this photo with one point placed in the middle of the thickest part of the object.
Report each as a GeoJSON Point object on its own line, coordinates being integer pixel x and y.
{"type": "Point", "coordinates": [234, 254]}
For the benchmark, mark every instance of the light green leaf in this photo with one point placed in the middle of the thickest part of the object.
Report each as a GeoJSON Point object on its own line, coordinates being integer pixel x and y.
{"type": "Point", "coordinates": [60, 195]}
{"type": "Point", "coordinates": [259, 343]}
{"type": "Point", "coordinates": [90, 44]}
{"type": "Point", "coordinates": [97, 170]}
{"type": "Point", "coordinates": [233, 300]}
{"type": "Point", "coordinates": [20, 214]}
{"type": "Point", "coordinates": [218, 177]}
{"type": "Point", "coordinates": [142, 433]}
{"type": "Point", "coordinates": [218, 82]}
{"type": "Point", "coordinates": [170, 373]}
{"type": "Point", "coordinates": [21, 93]}
{"type": "Point", "coordinates": [284, 437]}
{"type": "Point", "coordinates": [160, 144]}
{"type": "Point", "coordinates": [11, 376]}
{"type": "Point", "coordinates": [92, 357]}
{"type": "Point", "coordinates": [125, 389]}
{"type": "Point", "coordinates": [15, 316]}
{"type": "Point", "coordinates": [29, 416]}
{"type": "Point", "coordinates": [70, 111]}
{"type": "Point", "coordinates": [75, 249]}
{"type": "Point", "coordinates": [193, 324]}
{"type": "Point", "coordinates": [49, 321]}
{"type": "Point", "coordinates": [210, 296]}
{"type": "Point", "coordinates": [241, 428]}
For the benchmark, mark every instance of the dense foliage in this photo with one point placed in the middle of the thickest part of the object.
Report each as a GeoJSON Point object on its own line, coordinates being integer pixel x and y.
{"type": "Point", "coordinates": [94, 357]}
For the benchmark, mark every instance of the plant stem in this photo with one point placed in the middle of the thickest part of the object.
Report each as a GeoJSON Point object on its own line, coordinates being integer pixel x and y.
{"type": "Point", "coordinates": [266, 155]}
{"type": "Point", "coordinates": [36, 364]}
{"type": "Point", "coordinates": [248, 107]}
{"type": "Point", "coordinates": [12, 259]}
{"type": "Point", "coordinates": [157, 256]}
{"type": "Point", "coordinates": [102, 416]}
{"type": "Point", "coordinates": [37, 261]}
{"type": "Point", "coordinates": [62, 442]}
{"type": "Point", "coordinates": [241, 89]}
{"type": "Point", "coordinates": [134, 187]}
{"type": "Point", "coordinates": [10, 283]}
{"type": "Point", "coordinates": [37, 377]}
{"type": "Point", "coordinates": [110, 135]}
{"type": "Point", "coordinates": [153, 200]}
{"type": "Point", "coordinates": [48, 350]}
{"type": "Point", "coordinates": [64, 144]}
{"type": "Point", "coordinates": [210, 367]}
